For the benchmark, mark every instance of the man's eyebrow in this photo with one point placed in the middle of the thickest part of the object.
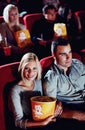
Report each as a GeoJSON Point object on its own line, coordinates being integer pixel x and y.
{"type": "Point", "coordinates": [64, 52]}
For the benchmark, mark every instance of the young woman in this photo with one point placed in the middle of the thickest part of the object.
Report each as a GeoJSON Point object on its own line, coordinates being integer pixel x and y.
{"type": "Point", "coordinates": [8, 28]}
{"type": "Point", "coordinates": [29, 85]}
{"type": "Point", "coordinates": [66, 16]}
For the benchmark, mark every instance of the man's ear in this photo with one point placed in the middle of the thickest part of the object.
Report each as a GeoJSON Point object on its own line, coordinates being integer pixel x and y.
{"type": "Point", "coordinates": [45, 16]}
{"type": "Point", "coordinates": [53, 54]}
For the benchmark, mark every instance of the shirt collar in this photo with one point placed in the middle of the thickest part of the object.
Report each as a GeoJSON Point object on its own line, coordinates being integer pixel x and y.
{"type": "Point", "coordinates": [60, 69]}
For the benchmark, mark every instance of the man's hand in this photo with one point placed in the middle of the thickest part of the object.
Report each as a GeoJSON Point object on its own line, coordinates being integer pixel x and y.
{"type": "Point", "coordinates": [59, 109]}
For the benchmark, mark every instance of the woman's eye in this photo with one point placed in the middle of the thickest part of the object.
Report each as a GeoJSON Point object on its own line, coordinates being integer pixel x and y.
{"type": "Point", "coordinates": [26, 69]}
{"type": "Point", "coordinates": [35, 69]}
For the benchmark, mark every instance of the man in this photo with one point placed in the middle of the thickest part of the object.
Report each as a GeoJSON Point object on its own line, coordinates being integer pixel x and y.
{"type": "Point", "coordinates": [65, 80]}
{"type": "Point", "coordinates": [56, 3]}
{"type": "Point", "coordinates": [42, 31]}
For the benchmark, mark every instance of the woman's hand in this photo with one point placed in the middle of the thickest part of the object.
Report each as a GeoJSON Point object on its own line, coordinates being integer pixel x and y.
{"type": "Point", "coordinates": [48, 120]}
{"type": "Point", "coordinates": [59, 109]}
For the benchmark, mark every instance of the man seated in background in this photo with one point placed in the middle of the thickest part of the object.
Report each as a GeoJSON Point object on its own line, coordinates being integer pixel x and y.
{"type": "Point", "coordinates": [42, 31]}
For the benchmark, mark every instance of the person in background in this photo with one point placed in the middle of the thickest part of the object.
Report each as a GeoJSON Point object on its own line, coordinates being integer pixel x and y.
{"type": "Point", "coordinates": [65, 80]}
{"type": "Point", "coordinates": [66, 16]}
{"type": "Point", "coordinates": [4, 3]}
{"type": "Point", "coordinates": [8, 28]}
{"type": "Point", "coordinates": [76, 4]}
{"type": "Point", "coordinates": [28, 85]}
{"type": "Point", "coordinates": [56, 3]}
{"type": "Point", "coordinates": [42, 31]}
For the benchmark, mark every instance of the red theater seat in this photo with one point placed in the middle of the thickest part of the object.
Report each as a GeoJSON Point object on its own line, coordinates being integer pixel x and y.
{"type": "Point", "coordinates": [8, 74]}
{"type": "Point", "coordinates": [81, 15]}
{"type": "Point", "coordinates": [1, 19]}
{"type": "Point", "coordinates": [30, 19]}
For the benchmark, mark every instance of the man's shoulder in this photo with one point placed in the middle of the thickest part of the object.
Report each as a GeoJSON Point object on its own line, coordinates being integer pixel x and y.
{"type": "Point", "coordinates": [77, 62]}
{"type": "Point", "coordinates": [50, 73]}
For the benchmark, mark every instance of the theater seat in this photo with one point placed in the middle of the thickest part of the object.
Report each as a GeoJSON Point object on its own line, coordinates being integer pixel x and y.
{"type": "Point", "coordinates": [30, 19]}
{"type": "Point", "coordinates": [8, 73]}
{"type": "Point", "coordinates": [76, 55]}
{"type": "Point", "coordinates": [1, 19]}
{"type": "Point", "coordinates": [81, 15]}
{"type": "Point", "coordinates": [46, 62]}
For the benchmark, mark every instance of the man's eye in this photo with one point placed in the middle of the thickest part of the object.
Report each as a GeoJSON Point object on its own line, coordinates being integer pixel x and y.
{"type": "Point", "coordinates": [63, 54]}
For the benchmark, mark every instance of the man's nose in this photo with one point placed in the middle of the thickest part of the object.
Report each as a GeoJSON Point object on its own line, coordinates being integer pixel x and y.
{"type": "Point", "coordinates": [68, 56]}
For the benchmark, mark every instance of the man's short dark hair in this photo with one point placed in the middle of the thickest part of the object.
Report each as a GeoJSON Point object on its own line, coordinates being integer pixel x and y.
{"type": "Point", "coordinates": [47, 7]}
{"type": "Point", "coordinates": [59, 41]}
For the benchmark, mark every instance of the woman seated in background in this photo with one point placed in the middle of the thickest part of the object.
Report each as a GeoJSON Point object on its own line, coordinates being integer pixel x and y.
{"type": "Point", "coordinates": [9, 27]}
{"type": "Point", "coordinates": [66, 15]}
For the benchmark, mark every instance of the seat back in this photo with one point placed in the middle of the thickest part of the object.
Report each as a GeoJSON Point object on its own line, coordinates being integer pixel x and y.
{"type": "Point", "coordinates": [76, 55]}
{"type": "Point", "coordinates": [8, 73]}
{"type": "Point", "coordinates": [46, 62]}
{"type": "Point", "coordinates": [30, 19]}
{"type": "Point", "coordinates": [1, 19]}
{"type": "Point", "coordinates": [81, 16]}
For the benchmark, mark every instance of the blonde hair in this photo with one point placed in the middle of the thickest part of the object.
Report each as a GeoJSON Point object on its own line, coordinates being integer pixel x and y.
{"type": "Point", "coordinates": [25, 60]}
{"type": "Point", "coordinates": [6, 11]}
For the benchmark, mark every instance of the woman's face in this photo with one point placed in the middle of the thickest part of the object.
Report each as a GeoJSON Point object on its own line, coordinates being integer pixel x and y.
{"type": "Point", "coordinates": [30, 71]}
{"type": "Point", "coordinates": [13, 16]}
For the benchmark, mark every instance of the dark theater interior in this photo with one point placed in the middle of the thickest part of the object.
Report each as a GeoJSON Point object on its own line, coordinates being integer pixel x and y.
{"type": "Point", "coordinates": [20, 33]}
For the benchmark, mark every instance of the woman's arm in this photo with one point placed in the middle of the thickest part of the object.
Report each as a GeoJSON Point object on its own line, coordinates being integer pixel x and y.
{"type": "Point", "coordinates": [31, 124]}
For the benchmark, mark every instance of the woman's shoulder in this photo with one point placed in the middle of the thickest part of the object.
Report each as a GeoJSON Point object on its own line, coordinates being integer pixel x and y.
{"type": "Point", "coordinates": [3, 24]}
{"type": "Point", "coordinates": [3, 27]}
{"type": "Point", "coordinates": [16, 89]}
{"type": "Point", "coordinates": [38, 82]}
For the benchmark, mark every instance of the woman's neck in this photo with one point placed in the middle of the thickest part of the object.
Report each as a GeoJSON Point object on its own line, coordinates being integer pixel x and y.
{"type": "Point", "coordinates": [27, 85]}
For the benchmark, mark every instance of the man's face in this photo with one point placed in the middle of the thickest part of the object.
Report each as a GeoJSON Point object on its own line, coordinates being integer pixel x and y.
{"type": "Point", "coordinates": [63, 56]}
{"type": "Point", "coordinates": [51, 15]}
